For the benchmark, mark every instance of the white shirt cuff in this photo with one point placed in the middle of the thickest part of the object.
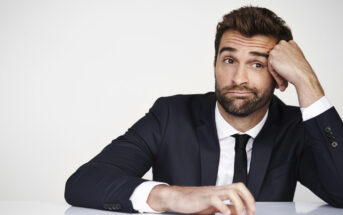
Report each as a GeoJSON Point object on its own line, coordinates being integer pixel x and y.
{"type": "Point", "coordinates": [140, 196]}
{"type": "Point", "coordinates": [318, 107]}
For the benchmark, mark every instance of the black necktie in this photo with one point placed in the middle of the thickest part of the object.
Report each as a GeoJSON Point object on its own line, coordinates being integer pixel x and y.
{"type": "Point", "coordinates": [240, 171]}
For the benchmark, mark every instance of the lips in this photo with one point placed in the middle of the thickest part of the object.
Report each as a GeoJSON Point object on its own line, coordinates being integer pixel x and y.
{"type": "Point", "coordinates": [240, 93]}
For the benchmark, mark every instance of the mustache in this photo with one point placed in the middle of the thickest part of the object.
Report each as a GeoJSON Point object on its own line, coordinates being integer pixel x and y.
{"type": "Point", "coordinates": [227, 89]}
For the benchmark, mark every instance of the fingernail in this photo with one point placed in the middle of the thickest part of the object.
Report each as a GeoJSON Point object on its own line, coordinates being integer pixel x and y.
{"type": "Point", "coordinates": [228, 213]}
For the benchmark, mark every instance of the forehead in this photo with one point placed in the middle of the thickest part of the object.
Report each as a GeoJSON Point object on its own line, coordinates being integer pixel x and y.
{"type": "Point", "coordinates": [236, 40]}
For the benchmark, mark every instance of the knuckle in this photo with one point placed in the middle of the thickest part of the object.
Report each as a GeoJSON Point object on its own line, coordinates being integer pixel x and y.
{"type": "Point", "coordinates": [270, 61]}
{"type": "Point", "coordinates": [240, 185]}
{"type": "Point", "coordinates": [230, 192]}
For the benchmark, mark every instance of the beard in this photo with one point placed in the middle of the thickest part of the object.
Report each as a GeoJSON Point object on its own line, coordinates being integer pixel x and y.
{"type": "Point", "coordinates": [242, 106]}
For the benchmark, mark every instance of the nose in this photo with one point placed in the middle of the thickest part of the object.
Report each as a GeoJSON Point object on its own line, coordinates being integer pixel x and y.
{"type": "Point", "coordinates": [240, 75]}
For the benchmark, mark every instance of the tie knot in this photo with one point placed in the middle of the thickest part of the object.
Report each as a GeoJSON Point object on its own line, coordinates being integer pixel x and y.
{"type": "Point", "coordinates": [241, 141]}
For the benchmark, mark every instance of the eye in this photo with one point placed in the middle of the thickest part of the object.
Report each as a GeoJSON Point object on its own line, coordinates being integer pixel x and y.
{"type": "Point", "coordinates": [228, 60]}
{"type": "Point", "coordinates": [257, 65]}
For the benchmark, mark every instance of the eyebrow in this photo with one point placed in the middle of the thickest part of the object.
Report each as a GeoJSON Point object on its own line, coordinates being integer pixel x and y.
{"type": "Point", "coordinates": [230, 49]}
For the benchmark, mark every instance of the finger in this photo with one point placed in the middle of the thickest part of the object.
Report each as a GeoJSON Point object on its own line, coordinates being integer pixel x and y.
{"type": "Point", "coordinates": [247, 197]}
{"type": "Point", "coordinates": [285, 84]}
{"type": "Point", "coordinates": [282, 42]}
{"type": "Point", "coordinates": [232, 209]}
{"type": "Point", "coordinates": [217, 203]}
{"type": "Point", "coordinates": [236, 200]}
{"type": "Point", "coordinates": [294, 44]}
{"type": "Point", "coordinates": [281, 83]}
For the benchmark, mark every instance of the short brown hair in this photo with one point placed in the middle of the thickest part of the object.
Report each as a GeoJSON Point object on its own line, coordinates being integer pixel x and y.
{"type": "Point", "coordinates": [250, 21]}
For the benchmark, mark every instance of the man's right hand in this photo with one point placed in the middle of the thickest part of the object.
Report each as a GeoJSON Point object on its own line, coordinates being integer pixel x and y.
{"type": "Point", "coordinates": [202, 200]}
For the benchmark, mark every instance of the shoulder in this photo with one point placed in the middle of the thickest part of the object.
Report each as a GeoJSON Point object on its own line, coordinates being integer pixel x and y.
{"type": "Point", "coordinates": [183, 100]}
{"type": "Point", "coordinates": [182, 107]}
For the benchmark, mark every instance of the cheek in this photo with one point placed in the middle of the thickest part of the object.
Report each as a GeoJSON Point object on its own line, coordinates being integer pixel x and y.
{"type": "Point", "coordinates": [262, 81]}
{"type": "Point", "coordinates": [266, 81]}
{"type": "Point", "coordinates": [222, 77]}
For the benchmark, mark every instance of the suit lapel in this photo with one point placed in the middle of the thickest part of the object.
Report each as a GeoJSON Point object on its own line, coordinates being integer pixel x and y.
{"type": "Point", "coordinates": [262, 150]}
{"type": "Point", "coordinates": [209, 154]}
{"type": "Point", "coordinates": [204, 111]}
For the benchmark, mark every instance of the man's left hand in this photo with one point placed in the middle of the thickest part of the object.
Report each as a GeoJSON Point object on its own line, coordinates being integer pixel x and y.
{"type": "Point", "coordinates": [287, 63]}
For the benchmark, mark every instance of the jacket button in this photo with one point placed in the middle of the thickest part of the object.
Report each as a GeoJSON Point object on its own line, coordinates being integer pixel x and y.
{"type": "Point", "coordinates": [334, 144]}
{"type": "Point", "coordinates": [327, 129]}
{"type": "Point", "coordinates": [116, 206]}
{"type": "Point", "coordinates": [108, 207]}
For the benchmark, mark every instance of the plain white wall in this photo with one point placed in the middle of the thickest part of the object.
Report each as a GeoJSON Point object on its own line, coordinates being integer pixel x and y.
{"type": "Point", "coordinates": [76, 74]}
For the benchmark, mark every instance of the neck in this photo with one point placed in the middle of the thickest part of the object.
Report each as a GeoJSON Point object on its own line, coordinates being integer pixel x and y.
{"type": "Point", "coordinates": [244, 124]}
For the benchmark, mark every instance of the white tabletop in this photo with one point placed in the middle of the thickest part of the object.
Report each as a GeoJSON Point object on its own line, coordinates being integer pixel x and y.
{"type": "Point", "coordinates": [263, 208]}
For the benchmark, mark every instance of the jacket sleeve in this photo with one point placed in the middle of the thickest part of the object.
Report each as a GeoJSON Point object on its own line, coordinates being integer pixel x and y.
{"type": "Point", "coordinates": [108, 180]}
{"type": "Point", "coordinates": [321, 163]}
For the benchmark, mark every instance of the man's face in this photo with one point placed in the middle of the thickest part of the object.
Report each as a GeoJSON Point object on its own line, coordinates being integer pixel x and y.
{"type": "Point", "coordinates": [243, 82]}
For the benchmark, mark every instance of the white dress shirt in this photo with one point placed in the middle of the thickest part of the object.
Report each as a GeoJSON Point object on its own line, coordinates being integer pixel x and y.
{"type": "Point", "coordinates": [227, 146]}
{"type": "Point", "coordinates": [227, 152]}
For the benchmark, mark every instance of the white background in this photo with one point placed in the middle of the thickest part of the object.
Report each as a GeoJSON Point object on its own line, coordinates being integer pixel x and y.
{"type": "Point", "coordinates": [76, 74]}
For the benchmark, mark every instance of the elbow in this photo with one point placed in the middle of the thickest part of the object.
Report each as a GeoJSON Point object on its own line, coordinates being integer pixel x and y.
{"type": "Point", "coordinates": [73, 192]}
{"type": "Point", "coordinates": [68, 194]}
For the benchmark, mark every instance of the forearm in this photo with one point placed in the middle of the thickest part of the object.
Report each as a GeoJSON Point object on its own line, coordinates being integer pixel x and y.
{"type": "Point", "coordinates": [99, 186]}
{"type": "Point", "coordinates": [202, 200]}
{"type": "Point", "coordinates": [139, 197]}
{"type": "Point", "coordinates": [324, 157]}
{"type": "Point", "coordinates": [309, 89]}
{"type": "Point", "coordinates": [324, 134]}
{"type": "Point", "coordinates": [158, 197]}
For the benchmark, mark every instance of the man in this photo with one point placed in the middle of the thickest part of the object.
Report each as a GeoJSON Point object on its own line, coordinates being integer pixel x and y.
{"type": "Point", "coordinates": [240, 143]}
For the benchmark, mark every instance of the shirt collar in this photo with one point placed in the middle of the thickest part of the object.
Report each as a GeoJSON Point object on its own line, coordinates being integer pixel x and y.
{"type": "Point", "coordinates": [224, 129]}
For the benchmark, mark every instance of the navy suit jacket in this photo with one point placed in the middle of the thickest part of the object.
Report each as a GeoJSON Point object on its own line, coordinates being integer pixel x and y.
{"type": "Point", "coordinates": [178, 139]}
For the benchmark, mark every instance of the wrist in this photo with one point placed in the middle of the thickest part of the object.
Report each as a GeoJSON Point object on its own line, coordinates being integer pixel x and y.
{"type": "Point", "coordinates": [309, 90]}
{"type": "Point", "coordinates": [159, 197]}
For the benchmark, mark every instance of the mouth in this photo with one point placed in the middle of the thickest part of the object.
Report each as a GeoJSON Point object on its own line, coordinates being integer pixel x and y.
{"type": "Point", "coordinates": [240, 93]}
